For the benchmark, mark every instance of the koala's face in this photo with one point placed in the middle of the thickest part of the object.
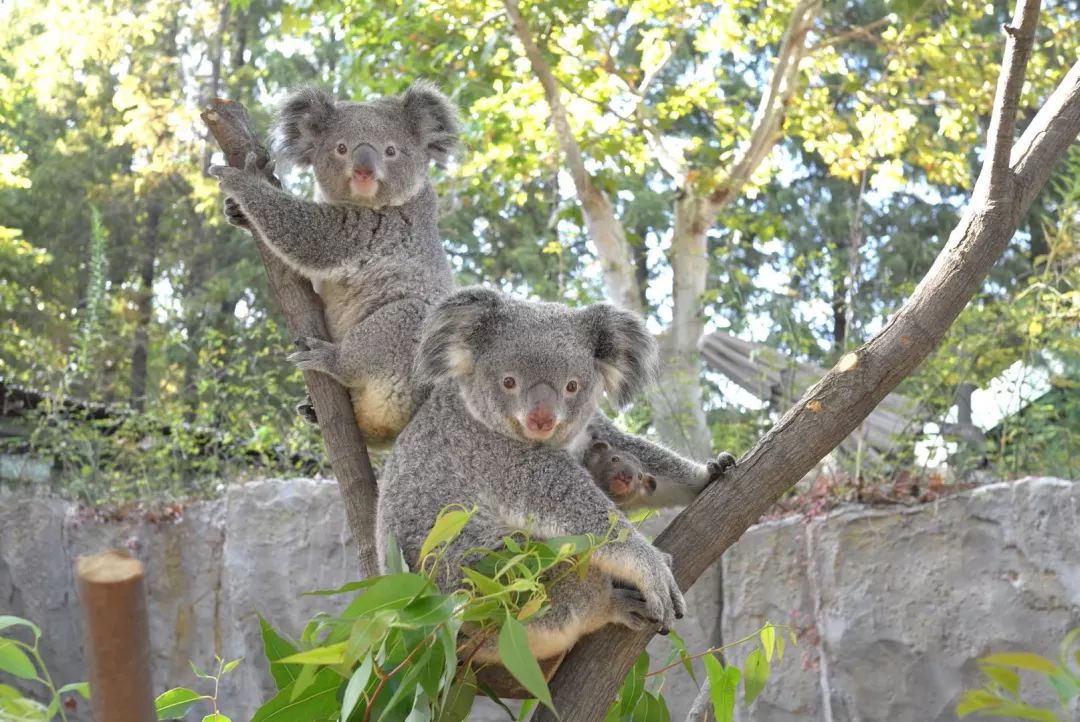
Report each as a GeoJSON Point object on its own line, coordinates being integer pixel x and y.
{"type": "Point", "coordinates": [368, 157]}
{"type": "Point", "coordinates": [619, 473]}
{"type": "Point", "coordinates": [373, 154]}
{"type": "Point", "coordinates": [535, 371]}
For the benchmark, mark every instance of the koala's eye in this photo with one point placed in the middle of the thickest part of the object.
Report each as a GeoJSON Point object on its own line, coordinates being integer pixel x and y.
{"type": "Point", "coordinates": [391, 151]}
{"type": "Point", "coordinates": [571, 387]}
{"type": "Point", "coordinates": [509, 382]}
{"type": "Point", "coordinates": [342, 149]}
{"type": "Point", "coordinates": [615, 460]}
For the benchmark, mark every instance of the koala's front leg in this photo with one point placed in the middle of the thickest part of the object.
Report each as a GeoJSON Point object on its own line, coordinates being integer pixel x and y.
{"type": "Point", "coordinates": [678, 480]}
{"type": "Point", "coordinates": [313, 238]}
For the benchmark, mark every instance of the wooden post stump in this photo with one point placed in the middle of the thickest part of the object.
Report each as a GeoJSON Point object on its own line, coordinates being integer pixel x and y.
{"type": "Point", "coordinates": [116, 632]}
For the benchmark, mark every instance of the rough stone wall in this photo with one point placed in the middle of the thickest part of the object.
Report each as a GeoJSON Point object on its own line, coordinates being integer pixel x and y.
{"type": "Point", "coordinates": [892, 605]}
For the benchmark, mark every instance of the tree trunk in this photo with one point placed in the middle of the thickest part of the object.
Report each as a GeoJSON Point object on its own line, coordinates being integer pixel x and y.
{"type": "Point", "coordinates": [144, 308]}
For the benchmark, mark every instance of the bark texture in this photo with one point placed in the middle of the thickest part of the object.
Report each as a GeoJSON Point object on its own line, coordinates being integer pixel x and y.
{"type": "Point", "coordinates": [230, 125]}
{"type": "Point", "coordinates": [834, 407]}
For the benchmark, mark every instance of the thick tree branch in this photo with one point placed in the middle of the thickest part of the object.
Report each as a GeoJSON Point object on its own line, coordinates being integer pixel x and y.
{"type": "Point", "coordinates": [604, 228]}
{"type": "Point", "coordinates": [231, 126]}
{"type": "Point", "coordinates": [832, 409]}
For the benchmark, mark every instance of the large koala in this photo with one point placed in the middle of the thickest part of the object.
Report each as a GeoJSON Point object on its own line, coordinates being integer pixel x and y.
{"type": "Point", "coordinates": [514, 384]}
{"type": "Point", "coordinates": [370, 242]}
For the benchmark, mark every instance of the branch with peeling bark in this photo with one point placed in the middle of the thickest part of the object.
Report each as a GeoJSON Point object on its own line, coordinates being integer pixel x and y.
{"type": "Point", "coordinates": [828, 412]}
{"type": "Point", "coordinates": [230, 125]}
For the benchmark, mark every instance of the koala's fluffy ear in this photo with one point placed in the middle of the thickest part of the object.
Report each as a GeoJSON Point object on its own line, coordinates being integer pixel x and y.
{"type": "Point", "coordinates": [626, 353]}
{"type": "Point", "coordinates": [300, 121]}
{"type": "Point", "coordinates": [433, 119]}
{"type": "Point", "coordinates": [453, 332]}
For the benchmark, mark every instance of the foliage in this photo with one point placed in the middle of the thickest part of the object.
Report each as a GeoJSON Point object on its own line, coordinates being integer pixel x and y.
{"type": "Point", "coordinates": [1001, 695]}
{"type": "Point", "coordinates": [175, 703]}
{"type": "Point", "coordinates": [404, 650]}
{"type": "Point", "coordinates": [22, 660]}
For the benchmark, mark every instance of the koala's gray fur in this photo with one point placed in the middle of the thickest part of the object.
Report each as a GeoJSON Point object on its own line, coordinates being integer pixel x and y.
{"type": "Point", "coordinates": [470, 443]}
{"type": "Point", "coordinates": [619, 474]}
{"type": "Point", "coordinates": [370, 244]}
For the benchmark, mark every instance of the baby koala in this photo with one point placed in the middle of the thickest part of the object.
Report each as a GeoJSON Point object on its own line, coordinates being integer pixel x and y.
{"type": "Point", "coordinates": [619, 474]}
{"type": "Point", "coordinates": [369, 243]}
{"type": "Point", "coordinates": [513, 384]}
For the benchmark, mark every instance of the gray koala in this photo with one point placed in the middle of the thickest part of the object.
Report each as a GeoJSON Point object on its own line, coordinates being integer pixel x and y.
{"type": "Point", "coordinates": [637, 472]}
{"type": "Point", "coordinates": [369, 244]}
{"type": "Point", "coordinates": [514, 383]}
{"type": "Point", "coordinates": [619, 474]}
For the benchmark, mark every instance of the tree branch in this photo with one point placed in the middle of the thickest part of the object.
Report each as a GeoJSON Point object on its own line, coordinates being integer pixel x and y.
{"type": "Point", "coordinates": [765, 131]}
{"type": "Point", "coordinates": [231, 126]}
{"type": "Point", "coordinates": [832, 409]}
{"type": "Point", "coordinates": [604, 228]}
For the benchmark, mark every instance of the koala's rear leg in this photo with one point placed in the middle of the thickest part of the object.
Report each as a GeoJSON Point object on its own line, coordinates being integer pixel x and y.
{"type": "Point", "coordinates": [306, 409]}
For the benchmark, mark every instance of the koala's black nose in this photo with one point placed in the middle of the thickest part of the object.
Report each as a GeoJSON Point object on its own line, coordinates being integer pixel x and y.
{"type": "Point", "coordinates": [365, 161]}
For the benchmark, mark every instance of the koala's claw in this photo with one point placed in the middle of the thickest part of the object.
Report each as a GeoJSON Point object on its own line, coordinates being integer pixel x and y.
{"type": "Point", "coordinates": [632, 609]}
{"type": "Point", "coordinates": [314, 354]}
{"type": "Point", "coordinates": [306, 409]}
{"type": "Point", "coordinates": [234, 214]}
{"type": "Point", "coordinates": [718, 468]}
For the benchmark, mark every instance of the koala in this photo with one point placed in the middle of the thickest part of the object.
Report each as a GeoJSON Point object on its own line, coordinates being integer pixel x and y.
{"type": "Point", "coordinates": [369, 243]}
{"type": "Point", "coordinates": [619, 474]}
{"type": "Point", "coordinates": [513, 383]}
{"type": "Point", "coordinates": [676, 480]}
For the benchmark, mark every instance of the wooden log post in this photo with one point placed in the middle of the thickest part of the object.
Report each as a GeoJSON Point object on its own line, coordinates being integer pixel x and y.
{"type": "Point", "coordinates": [230, 125]}
{"type": "Point", "coordinates": [116, 632]}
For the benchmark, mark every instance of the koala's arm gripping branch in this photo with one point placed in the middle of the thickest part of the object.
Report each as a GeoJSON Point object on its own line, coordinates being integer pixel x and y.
{"type": "Point", "coordinates": [307, 235]}
{"type": "Point", "coordinates": [230, 124]}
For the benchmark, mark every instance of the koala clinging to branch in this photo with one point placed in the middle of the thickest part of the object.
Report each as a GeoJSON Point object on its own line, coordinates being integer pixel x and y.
{"type": "Point", "coordinates": [370, 244]}
{"type": "Point", "coordinates": [619, 474]}
{"type": "Point", "coordinates": [513, 383]}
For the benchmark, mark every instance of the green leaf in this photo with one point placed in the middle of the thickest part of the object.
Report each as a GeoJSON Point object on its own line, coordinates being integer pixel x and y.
{"type": "Point", "coordinates": [634, 685]}
{"type": "Point", "coordinates": [344, 588]}
{"type": "Point", "coordinates": [276, 647]}
{"type": "Point", "coordinates": [395, 560]}
{"type": "Point", "coordinates": [780, 647]}
{"type": "Point", "coordinates": [317, 702]}
{"type": "Point", "coordinates": [755, 675]}
{"type": "Point", "coordinates": [7, 620]}
{"type": "Point", "coordinates": [331, 654]}
{"type": "Point", "coordinates": [216, 717]}
{"type": "Point", "coordinates": [355, 689]}
{"type": "Point", "coordinates": [447, 528]}
{"type": "Point", "coordinates": [1007, 678]}
{"type": "Point", "coordinates": [651, 708]}
{"type": "Point", "coordinates": [975, 700]}
{"type": "Point", "coordinates": [230, 666]}
{"type": "Point", "coordinates": [768, 640]}
{"type": "Point", "coordinates": [684, 656]}
{"type": "Point", "coordinates": [427, 611]}
{"type": "Point", "coordinates": [392, 592]}
{"type": "Point", "coordinates": [82, 688]}
{"type": "Point", "coordinates": [519, 661]}
{"type": "Point", "coordinates": [175, 703]}
{"type": "Point", "coordinates": [198, 671]}
{"type": "Point", "coordinates": [1066, 686]}
{"type": "Point", "coordinates": [1022, 660]}
{"type": "Point", "coordinates": [723, 683]}
{"type": "Point", "coordinates": [459, 700]}
{"type": "Point", "coordinates": [366, 633]}
{"type": "Point", "coordinates": [14, 661]}
{"type": "Point", "coordinates": [304, 680]}
{"type": "Point", "coordinates": [1023, 711]}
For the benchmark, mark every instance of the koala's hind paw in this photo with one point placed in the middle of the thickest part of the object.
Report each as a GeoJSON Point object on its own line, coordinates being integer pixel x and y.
{"type": "Point", "coordinates": [306, 409]}
{"type": "Point", "coordinates": [717, 469]}
{"type": "Point", "coordinates": [314, 354]}
{"type": "Point", "coordinates": [234, 215]}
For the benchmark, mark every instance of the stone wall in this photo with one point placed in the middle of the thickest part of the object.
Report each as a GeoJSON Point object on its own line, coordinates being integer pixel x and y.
{"type": "Point", "coordinates": [892, 604]}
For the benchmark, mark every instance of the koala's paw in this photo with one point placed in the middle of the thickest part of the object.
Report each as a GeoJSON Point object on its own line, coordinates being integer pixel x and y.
{"type": "Point", "coordinates": [630, 608]}
{"type": "Point", "coordinates": [234, 180]}
{"type": "Point", "coordinates": [306, 409]}
{"type": "Point", "coordinates": [314, 354]}
{"type": "Point", "coordinates": [234, 214]}
{"type": "Point", "coordinates": [663, 598]}
{"type": "Point", "coordinates": [720, 467]}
